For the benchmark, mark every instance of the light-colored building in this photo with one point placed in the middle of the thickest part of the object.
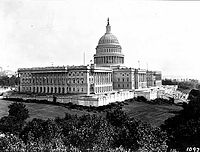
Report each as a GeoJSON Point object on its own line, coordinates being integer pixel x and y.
{"type": "Point", "coordinates": [140, 78]}
{"type": "Point", "coordinates": [63, 80]}
{"type": "Point", "coordinates": [106, 80]}
{"type": "Point", "coordinates": [150, 79]}
{"type": "Point", "coordinates": [123, 78]}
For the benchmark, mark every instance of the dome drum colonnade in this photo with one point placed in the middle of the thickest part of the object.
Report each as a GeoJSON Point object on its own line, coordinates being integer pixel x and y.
{"type": "Point", "coordinates": [108, 50]}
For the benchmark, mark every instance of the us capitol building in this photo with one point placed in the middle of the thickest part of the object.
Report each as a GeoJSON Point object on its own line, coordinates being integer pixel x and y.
{"type": "Point", "coordinates": [106, 80]}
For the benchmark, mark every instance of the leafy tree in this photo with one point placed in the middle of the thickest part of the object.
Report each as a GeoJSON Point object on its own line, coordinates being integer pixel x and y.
{"type": "Point", "coordinates": [133, 135]}
{"type": "Point", "coordinates": [92, 132]}
{"type": "Point", "coordinates": [6, 81]}
{"type": "Point", "coordinates": [19, 111]}
{"type": "Point", "coordinates": [33, 131]}
{"type": "Point", "coordinates": [50, 131]}
{"type": "Point", "coordinates": [39, 130]}
{"type": "Point", "coordinates": [15, 121]}
{"type": "Point", "coordinates": [125, 129]}
{"type": "Point", "coordinates": [117, 117]}
{"type": "Point", "coordinates": [151, 139]}
{"type": "Point", "coordinates": [184, 129]}
{"type": "Point", "coordinates": [10, 124]}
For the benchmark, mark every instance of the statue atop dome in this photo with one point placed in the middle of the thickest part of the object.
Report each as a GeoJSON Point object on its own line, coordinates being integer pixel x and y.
{"type": "Point", "coordinates": [108, 27]}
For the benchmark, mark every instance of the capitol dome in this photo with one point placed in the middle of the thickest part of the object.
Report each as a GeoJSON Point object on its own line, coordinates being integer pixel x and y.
{"type": "Point", "coordinates": [108, 38]}
{"type": "Point", "coordinates": [108, 50]}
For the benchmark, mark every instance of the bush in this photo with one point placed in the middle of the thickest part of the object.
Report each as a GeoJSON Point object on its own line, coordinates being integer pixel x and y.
{"type": "Point", "coordinates": [19, 111]}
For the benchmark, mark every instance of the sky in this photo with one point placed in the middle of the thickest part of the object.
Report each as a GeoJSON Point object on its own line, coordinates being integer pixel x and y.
{"type": "Point", "coordinates": [154, 35]}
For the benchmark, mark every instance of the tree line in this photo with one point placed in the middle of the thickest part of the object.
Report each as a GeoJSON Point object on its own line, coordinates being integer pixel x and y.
{"type": "Point", "coordinates": [9, 81]}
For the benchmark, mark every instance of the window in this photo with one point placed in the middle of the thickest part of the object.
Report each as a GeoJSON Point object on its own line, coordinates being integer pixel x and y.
{"type": "Point", "coordinates": [118, 79]}
{"type": "Point", "coordinates": [118, 85]}
{"type": "Point", "coordinates": [127, 79]}
{"type": "Point", "coordinates": [73, 89]}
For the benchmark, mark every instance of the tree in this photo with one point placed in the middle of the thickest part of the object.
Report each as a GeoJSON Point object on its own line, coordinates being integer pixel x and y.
{"type": "Point", "coordinates": [10, 124]}
{"type": "Point", "coordinates": [117, 117]}
{"type": "Point", "coordinates": [184, 129]}
{"type": "Point", "coordinates": [151, 139]}
{"type": "Point", "coordinates": [15, 121]}
{"type": "Point", "coordinates": [6, 81]}
{"type": "Point", "coordinates": [19, 111]}
{"type": "Point", "coordinates": [125, 131]}
{"type": "Point", "coordinates": [39, 130]}
{"type": "Point", "coordinates": [91, 132]}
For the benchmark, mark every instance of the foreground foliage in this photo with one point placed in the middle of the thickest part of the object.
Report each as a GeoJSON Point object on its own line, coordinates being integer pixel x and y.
{"type": "Point", "coordinates": [114, 132]}
{"type": "Point", "coordinates": [184, 129]}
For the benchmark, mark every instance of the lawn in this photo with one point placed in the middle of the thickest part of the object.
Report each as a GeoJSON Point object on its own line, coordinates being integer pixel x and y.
{"type": "Point", "coordinates": [42, 111]}
{"type": "Point", "coordinates": [154, 114]}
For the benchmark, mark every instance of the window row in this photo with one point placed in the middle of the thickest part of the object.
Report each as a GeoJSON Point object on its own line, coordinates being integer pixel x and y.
{"type": "Point", "coordinates": [123, 80]}
{"type": "Point", "coordinates": [52, 89]}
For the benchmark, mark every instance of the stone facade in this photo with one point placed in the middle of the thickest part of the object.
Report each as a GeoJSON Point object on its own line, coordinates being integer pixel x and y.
{"type": "Point", "coordinates": [104, 81]}
{"type": "Point", "coordinates": [63, 80]}
{"type": "Point", "coordinates": [140, 78]}
{"type": "Point", "coordinates": [123, 78]}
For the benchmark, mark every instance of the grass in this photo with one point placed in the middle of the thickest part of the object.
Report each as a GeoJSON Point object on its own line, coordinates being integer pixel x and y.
{"type": "Point", "coordinates": [42, 111]}
{"type": "Point", "coordinates": [154, 114]}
